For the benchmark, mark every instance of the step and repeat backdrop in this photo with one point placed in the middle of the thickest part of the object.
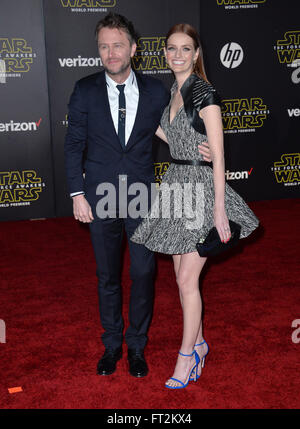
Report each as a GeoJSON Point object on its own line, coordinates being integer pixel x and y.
{"type": "Point", "coordinates": [252, 57]}
{"type": "Point", "coordinates": [26, 165]}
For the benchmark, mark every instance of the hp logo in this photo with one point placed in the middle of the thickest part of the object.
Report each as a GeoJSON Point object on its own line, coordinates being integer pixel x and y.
{"type": "Point", "coordinates": [231, 55]}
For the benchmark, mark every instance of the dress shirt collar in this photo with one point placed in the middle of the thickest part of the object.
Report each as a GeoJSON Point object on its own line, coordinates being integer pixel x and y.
{"type": "Point", "coordinates": [129, 82]}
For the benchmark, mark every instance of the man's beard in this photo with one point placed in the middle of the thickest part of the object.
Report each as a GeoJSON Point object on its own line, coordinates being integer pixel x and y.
{"type": "Point", "coordinates": [122, 69]}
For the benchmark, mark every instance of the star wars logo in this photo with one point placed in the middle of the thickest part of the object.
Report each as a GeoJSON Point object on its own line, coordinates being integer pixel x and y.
{"type": "Point", "coordinates": [242, 115]}
{"type": "Point", "coordinates": [159, 170]}
{"type": "Point", "coordinates": [88, 5]}
{"type": "Point", "coordinates": [19, 188]}
{"type": "Point", "coordinates": [288, 49]}
{"type": "Point", "coordinates": [149, 57]}
{"type": "Point", "coordinates": [288, 52]}
{"type": "Point", "coordinates": [16, 57]}
{"type": "Point", "coordinates": [240, 4]}
{"type": "Point", "coordinates": [287, 170]}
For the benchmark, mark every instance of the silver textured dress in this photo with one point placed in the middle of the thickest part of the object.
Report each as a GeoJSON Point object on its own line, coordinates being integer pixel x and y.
{"type": "Point", "coordinates": [182, 212]}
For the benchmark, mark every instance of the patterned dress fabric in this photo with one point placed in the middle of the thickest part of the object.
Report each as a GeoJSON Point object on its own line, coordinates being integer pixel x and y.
{"type": "Point", "coordinates": [182, 212]}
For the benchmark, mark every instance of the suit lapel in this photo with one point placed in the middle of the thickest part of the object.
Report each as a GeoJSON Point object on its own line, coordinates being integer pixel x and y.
{"type": "Point", "coordinates": [107, 119]}
{"type": "Point", "coordinates": [143, 97]}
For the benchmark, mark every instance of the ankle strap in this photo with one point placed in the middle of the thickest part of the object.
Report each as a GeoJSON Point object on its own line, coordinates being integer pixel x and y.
{"type": "Point", "coordinates": [200, 344]}
{"type": "Point", "coordinates": [181, 354]}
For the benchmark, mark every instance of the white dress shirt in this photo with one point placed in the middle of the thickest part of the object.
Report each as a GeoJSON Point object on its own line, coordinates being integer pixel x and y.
{"type": "Point", "coordinates": [131, 92]}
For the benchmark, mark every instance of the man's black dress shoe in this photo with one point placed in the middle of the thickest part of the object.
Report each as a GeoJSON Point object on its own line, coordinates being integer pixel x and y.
{"type": "Point", "coordinates": [137, 363]}
{"type": "Point", "coordinates": [107, 364]}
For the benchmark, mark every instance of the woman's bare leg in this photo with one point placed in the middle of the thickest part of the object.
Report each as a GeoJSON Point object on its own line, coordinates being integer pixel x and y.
{"type": "Point", "coordinates": [187, 269]}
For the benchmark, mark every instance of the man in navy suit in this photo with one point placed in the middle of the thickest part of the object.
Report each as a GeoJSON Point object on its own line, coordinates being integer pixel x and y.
{"type": "Point", "coordinates": [113, 116]}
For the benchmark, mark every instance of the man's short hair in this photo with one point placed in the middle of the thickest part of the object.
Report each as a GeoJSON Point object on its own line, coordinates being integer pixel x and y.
{"type": "Point", "coordinates": [114, 20]}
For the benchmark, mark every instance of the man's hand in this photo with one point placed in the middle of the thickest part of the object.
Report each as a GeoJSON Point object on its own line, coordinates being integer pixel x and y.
{"type": "Point", "coordinates": [81, 209]}
{"type": "Point", "coordinates": [204, 150]}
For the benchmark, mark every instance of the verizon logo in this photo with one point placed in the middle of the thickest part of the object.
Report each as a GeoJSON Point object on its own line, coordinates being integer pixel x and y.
{"type": "Point", "coordinates": [19, 126]}
{"type": "Point", "coordinates": [293, 112]}
{"type": "Point", "coordinates": [237, 175]}
{"type": "Point", "coordinates": [80, 62]}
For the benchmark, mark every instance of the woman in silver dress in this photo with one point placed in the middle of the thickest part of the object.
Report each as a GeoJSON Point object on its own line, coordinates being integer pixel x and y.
{"type": "Point", "coordinates": [193, 116]}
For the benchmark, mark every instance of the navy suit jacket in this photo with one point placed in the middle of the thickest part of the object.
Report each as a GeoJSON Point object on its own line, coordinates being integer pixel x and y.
{"type": "Point", "coordinates": [91, 135]}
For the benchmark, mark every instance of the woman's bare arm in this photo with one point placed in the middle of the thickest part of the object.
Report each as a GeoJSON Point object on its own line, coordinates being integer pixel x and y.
{"type": "Point", "coordinates": [159, 133]}
{"type": "Point", "coordinates": [211, 116]}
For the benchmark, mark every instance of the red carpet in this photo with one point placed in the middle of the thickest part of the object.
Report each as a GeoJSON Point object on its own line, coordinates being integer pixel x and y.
{"type": "Point", "coordinates": [49, 304]}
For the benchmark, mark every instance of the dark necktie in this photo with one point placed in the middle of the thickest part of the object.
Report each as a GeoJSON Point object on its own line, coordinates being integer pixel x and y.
{"type": "Point", "coordinates": [122, 114]}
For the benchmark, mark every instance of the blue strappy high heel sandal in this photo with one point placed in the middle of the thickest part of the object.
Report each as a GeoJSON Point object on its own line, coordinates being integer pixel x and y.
{"type": "Point", "coordinates": [202, 360]}
{"type": "Point", "coordinates": [195, 367]}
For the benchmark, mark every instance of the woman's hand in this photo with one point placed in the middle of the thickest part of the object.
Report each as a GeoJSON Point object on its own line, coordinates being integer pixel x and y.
{"type": "Point", "coordinates": [222, 224]}
{"type": "Point", "coordinates": [205, 151]}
